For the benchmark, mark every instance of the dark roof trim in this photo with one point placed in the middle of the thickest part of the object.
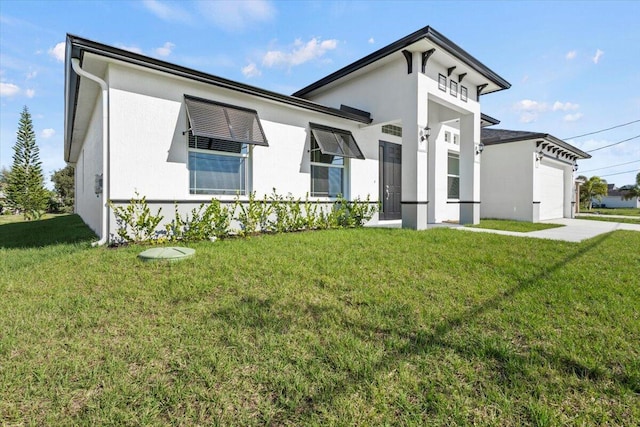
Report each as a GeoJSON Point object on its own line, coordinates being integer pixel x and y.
{"type": "Point", "coordinates": [524, 136]}
{"type": "Point", "coordinates": [77, 46]}
{"type": "Point", "coordinates": [489, 119]}
{"type": "Point", "coordinates": [427, 33]}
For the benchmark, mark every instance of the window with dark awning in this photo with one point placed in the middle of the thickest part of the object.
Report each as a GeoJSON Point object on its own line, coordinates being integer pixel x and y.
{"type": "Point", "coordinates": [224, 122]}
{"type": "Point", "coordinates": [336, 142]}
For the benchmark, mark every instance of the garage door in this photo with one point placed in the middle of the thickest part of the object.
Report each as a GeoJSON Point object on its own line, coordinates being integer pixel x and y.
{"type": "Point", "coordinates": [551, 192]}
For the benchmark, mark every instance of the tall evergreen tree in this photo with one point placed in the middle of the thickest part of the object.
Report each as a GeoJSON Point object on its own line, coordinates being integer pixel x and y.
{"type": "Point", "coordinates": [25, 189]}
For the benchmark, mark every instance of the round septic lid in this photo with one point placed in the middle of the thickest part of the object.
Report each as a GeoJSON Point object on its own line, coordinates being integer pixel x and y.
{"type": "Point", "coordinates": [173, 253]}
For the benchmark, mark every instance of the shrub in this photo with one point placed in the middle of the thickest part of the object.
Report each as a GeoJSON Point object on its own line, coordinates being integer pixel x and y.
{"type": "Point", "coordinates": [135, 221]}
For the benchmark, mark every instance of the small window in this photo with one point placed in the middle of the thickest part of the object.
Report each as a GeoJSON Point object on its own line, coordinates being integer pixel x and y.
{"type": "Point", "coordinates": [447, 136]}
{"type": "Point", "coordinates": [442, 82]}
{"type": "Point", "coordinates": [453, 88]}
{"type": "Point", "coordinates": [392, 130]}
{"type": "Point", "coordinates": [330, 149]}
{"type": "Point", "coordinates": [453, 176]}
{"type": "Point", "coordinates": [463, 93]}
{"type": "Point", "coordinates": [456, 139]}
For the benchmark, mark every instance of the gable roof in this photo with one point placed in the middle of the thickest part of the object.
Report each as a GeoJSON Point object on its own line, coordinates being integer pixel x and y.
{"type": "Point", "coordinates": [503, 136]}
{"type": "Point", "coordinates": [426, 33]}
{"type": "Point", "coordinates": [76, 47]}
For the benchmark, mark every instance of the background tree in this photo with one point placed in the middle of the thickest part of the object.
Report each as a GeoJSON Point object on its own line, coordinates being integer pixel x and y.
{"type": "Point", "coordinates": [593, 188]}
{"type": "Point", "coordinates": [25, 188]}
{"type": "Point", "coordinates": [63, 183]}
{"type": "Point", "coordinates": [4, 180]}
{"type": "Point", "coordinates": [633, 191]}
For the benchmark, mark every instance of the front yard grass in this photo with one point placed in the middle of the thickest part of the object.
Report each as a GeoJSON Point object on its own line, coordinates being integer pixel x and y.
{"type": "Point", "coordinates": [509, 225]}
{"type": "Point", "coordinates": [338, 327]}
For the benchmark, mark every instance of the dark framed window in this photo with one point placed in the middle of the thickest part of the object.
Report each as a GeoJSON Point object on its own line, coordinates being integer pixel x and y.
{"type": "Point", "coordinates": [442, 82]}
{"type": "Point", "coordinates": [330, 150]}
{"type": "Point", "coordinates": [453, 88]}
{"type": "Point", "coordinates": [463, 93]}
{"type": "Point", "coordinates": [220, 137]}
{"type": "Point", "coordinates": [453, 176]}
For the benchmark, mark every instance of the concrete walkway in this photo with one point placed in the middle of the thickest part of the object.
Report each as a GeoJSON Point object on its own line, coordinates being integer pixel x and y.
{"type": "Point", "coordinates": [608, 216]}
{"type": "Point", "coordinates": [574, 230]}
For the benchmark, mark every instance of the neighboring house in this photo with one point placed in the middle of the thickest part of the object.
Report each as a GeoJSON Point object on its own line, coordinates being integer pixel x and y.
{"type": "Point", "coordinates": [401, 125]}
{"type": "Point", "coordinates": [614, 199]}
{"type": "Point", "coordinates": [527, 176]}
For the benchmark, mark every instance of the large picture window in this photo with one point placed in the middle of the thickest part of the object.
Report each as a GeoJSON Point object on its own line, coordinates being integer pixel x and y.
{"type": "Point", "coordinates": [330, 149]}
{"type": "Point", "coordinates": [453, 176]}
{"type": "Point", "coordinates": [220, 137]}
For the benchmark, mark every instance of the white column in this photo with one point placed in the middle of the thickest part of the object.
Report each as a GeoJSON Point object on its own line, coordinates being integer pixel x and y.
{"type": "Point", "coordinates": [469, 169]}
{"type": "Point", "coordinates": [414, 153]}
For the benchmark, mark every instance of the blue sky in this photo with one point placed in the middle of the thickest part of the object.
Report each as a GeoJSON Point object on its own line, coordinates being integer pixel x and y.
{"type": "Point", "coordinates": [574, 66]}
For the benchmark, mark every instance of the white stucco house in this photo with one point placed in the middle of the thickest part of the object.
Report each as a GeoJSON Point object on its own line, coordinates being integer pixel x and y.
{"type": "Point", "coordinates": [527, 176]}
{"type": "Point", "coordinates": [401, 125]}
{"type": "Point", "coordinates": [614, 199]}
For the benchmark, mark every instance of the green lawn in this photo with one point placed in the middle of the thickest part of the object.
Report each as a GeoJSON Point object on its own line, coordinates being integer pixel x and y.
{"type": "Point", "coordinates": [509, 225]}
{"type": "Point", "coordinates": [339, 327]}
{"type": "Point", "coordinates": [613, 211]}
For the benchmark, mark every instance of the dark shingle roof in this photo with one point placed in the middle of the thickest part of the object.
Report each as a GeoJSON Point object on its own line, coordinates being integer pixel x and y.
{"type": "Point", "coordinates": [503, 136]}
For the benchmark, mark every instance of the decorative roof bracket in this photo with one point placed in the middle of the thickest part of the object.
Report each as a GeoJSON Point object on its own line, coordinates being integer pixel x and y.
{"type": "Point", "coordinates": [450, 70]}
{"type": "Point", "coordinates": [461, 77]}
{"type": "Point", "coordinates": [480, 89]}
{"type": "Point", "coordinates": [425, 57]}
{"type": "Point", "coordinates": [409, 57]}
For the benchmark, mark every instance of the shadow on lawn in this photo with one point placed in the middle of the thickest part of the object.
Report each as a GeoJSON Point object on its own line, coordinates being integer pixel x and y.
{"type": "Point", "coordinates": [512, 368]}
{"type": "Point", "coordinates": [46, 232]}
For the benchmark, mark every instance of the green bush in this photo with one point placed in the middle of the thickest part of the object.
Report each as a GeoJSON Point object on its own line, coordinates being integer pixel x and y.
{"type": "Point", "coordinates": [272, 214]}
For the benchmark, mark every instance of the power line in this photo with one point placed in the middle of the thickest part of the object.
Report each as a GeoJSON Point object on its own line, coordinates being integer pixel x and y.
{"type": "Point", "coordinates": [615, 143]}
{"type": "Point", "coordinates": [612, 166]}
{"type": "Point", "coordinates": [619, 173]}
{"type": "Point", "coordinates": [603, 130]}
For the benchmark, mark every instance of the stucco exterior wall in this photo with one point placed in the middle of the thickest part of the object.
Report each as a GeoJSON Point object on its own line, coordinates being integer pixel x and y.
{"type": "Point", "coordinates": [149, 152]}
{"type": "Point", "coordinates": [87, 204]}
{"type": "Point", "coordinates": [507, 181]}
{"type": "Point", "coordinates": [618, 202]}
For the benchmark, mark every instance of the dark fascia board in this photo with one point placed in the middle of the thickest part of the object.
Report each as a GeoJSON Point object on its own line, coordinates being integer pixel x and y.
{"type": "Point", "coordinates": [78, 46]}
{"type": "Point", "coordinates": [489, 119]}
{"type": "Point", "coordinates": [534, 135]}
{"type": "Point", "coordinates": [427, 33]}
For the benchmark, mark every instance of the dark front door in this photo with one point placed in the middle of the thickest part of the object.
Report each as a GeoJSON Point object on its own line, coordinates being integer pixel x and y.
{"type": "Point", "coordinates": [390, 176]}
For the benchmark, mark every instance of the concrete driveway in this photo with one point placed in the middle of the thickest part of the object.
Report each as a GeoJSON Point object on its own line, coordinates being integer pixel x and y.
{"type": "Point", "coordinates": [574, 230]}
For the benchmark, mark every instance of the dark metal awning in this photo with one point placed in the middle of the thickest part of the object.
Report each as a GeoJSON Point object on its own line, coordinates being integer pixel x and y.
{"type": "Point", "coordinates": [210, 119]}
{"type": "Point", "coordinates": [336, 142]}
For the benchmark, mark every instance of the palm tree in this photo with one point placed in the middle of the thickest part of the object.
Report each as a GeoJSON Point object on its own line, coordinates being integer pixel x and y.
{"type": "Point", "coordinates": [633, 191]}
{"type": "Point", "coordinates": [593, 188]}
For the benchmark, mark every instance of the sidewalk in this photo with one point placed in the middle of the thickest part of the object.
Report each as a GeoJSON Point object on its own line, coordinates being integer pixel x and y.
{"type": "Point", "coordinates": [608, 216]}
{"type": "Point", "coordinates": [574, 230]}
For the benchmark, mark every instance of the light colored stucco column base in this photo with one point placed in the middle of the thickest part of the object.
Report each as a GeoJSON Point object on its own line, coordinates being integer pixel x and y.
{"type": "Point", "coordinates": [414, 216]}
{"type": "Point", "coordinates": [469, 213]}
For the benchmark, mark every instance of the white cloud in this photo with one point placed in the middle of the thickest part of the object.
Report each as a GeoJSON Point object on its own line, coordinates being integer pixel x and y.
{"type": "Point", "coordinates": [237, 15]}
{"type": "Point", "coordinates": [166, 11]}
{"type": "Point", "coordinates": [251, 70]}
{"type": "Point", "coordinates": [572, 117]}
{"type": "Point", "coordinates": [165, 50]}
{"type": "Point", "coordinates": [30, 93]}
{"type": "Point", "coordinates": [32, 75]}
{"type": "Point", "coordinates": [566, 106]}
{"type": "Point", "coordinates": [134, 49]}
{"type": "Point", "coordinates": [371, 40]}
{"type": "Point", "coordinates": [58, 51]}
{"type": "Point", "coordinates": [8, 89]}
{"type": "Point", "coordinates": [571, 54]}
{"type": "Point", "coordinates": [300, 53]}
{"type": "Point", "coordinates": [530, 105]}
{"type": "Point", "coordinates": [528, 117]}
{"type": "Point", "coordinates": [525, 78]}
{"type": "Point", "coordinates": [47, 133]}
{"type": "Point", "coordinates": [597, 56]}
